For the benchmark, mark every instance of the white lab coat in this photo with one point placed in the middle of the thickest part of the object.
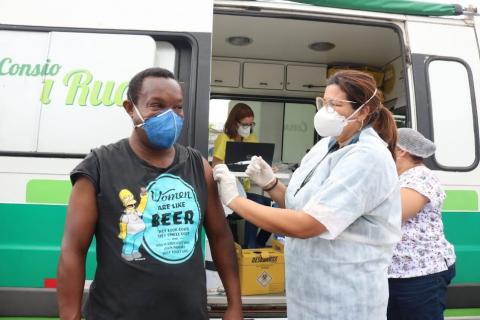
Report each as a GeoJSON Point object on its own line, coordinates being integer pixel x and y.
{"type": "Point", "coordinates": [354, 192]}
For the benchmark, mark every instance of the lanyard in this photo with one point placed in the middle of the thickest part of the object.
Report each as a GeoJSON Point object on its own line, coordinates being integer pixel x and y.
{"type": "Point", "coordinates": [332, 147]}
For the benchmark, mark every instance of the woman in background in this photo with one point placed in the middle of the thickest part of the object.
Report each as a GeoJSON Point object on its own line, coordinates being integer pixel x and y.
{"type": "Point", "coordinates": [423, 261]}
{"type": "Point", "coordinates": [238, 127]}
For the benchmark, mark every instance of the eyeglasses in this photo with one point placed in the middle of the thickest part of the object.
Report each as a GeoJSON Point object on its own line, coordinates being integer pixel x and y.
{"type": "Point", "coordinates": [247, 125]}
{"type": "Point", "coordinates": [330, 104]}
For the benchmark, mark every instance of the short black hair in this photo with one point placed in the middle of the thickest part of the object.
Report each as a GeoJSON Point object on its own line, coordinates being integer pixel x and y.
{"type": "Point", "coordinates": [135, 84]}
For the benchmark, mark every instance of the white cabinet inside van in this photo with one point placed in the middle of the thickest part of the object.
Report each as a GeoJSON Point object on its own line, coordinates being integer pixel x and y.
{"type": "Point", "coordinates": [225, 73]}
{"type": "Point", "coordinates": [306, 78]}
{"type": "Point", "coordinates": [263, 75]}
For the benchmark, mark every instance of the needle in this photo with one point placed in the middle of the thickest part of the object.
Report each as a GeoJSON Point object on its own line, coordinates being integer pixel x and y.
{"type": "Point", "coordinates": [240, 162]}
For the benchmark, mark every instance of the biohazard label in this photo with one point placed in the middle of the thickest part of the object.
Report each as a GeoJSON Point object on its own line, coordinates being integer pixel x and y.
{"type": "Point", "coordinates": [264, 279]}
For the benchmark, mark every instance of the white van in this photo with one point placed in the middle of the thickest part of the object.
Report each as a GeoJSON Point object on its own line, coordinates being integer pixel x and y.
{"type": "Point", "coordinates": [64, 69]}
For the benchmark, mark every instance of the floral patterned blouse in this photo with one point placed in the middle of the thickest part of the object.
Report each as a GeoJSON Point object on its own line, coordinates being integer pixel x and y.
{"type": "Point", "coordinates": [423, 249]}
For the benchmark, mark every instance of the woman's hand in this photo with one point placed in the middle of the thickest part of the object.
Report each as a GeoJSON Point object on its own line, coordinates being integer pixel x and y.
{"type": "Point", "coordinates": [227, 183]}
{"type": "Point", "coordinates": [260, 172]}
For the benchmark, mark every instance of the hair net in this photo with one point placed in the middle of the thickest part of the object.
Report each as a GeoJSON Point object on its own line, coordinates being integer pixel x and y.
{"type": "Point", "coordinates": [415, 143]}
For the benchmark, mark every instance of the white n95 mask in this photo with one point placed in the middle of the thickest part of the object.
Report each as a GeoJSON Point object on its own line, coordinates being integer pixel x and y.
{"type": "Point", "coordinates": [243, 131]}
{"type": "Point", "coordinates": [328, 123]}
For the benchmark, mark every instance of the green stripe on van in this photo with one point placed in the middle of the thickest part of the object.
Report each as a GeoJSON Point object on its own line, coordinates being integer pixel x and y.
{"type": "Point", "coordinates": [48, 191]}
{"type": "Point", "coordinates": [471, 312]}
{"type": "Point", "coordinates": [462, 230]}
{"type": "Point", "coordinates": [461, 200]}
{"type": "Point", "coordinates": [30, 244]}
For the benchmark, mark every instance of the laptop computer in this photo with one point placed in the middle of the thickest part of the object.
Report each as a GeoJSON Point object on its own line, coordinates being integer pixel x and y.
{"type": "Point", "coordinates": [244, 151]}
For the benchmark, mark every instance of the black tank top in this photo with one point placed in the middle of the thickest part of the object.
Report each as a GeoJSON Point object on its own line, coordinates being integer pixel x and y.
{"type": "Point", "coordinates": [149, 257]}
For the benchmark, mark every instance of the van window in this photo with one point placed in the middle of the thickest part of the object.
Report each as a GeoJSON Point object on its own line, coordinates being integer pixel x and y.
{"type": "Point", "coordinates": [451, 105]}
{"type": "Point", "coordinates": [298, 131]}
{"type": "Point", "coordinates": [62, 92]}
{"type": "Point", "coordinates": [288, 125]}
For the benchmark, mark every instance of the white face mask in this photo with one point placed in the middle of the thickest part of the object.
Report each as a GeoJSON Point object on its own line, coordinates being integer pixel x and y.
{"type": "Point", "coordinates": [243, 131]}
{"type": "Point", "coordinates": [331, 124]}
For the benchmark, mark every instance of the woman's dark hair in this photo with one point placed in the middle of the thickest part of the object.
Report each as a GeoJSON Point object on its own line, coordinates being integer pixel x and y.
{"type": "Point", "coordinates": [359, 87]}
{"type": "Point", "coordinates": [238, 112]}
{"type": "Point", "coordinates": [416, 159]}
{"type": "Point", "coordinates": [135, 84]}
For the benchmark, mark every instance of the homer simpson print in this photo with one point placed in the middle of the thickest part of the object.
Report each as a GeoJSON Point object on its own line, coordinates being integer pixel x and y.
{"type": "Point", "coordinates": [165, 222]}
{"type": "Point", "coordinates": [132, 226]}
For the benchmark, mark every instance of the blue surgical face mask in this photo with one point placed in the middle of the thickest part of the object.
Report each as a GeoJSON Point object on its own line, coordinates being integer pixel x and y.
{"type": "Point", "coordinates": [163, 129]}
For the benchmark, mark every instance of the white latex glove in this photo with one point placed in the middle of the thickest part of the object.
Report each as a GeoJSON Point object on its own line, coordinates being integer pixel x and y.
{"type": "Point", "coordinates": [260, 172]}
{"type": "Point", "coordinates": [227, 183]}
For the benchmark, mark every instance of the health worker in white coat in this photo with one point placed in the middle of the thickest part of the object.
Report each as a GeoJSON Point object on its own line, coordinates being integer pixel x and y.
{"type": "Point", "coordinates": [341, 211]}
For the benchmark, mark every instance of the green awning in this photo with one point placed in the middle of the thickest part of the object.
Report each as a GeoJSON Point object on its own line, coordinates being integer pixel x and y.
{"type": "Point", "coordinates": [416, 8]}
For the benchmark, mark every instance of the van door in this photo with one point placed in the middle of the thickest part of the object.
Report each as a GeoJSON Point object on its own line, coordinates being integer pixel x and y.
{"type": "Point", "coordinates": [63, 78]}
{"type": "Point", "coordinates": [446, 74]}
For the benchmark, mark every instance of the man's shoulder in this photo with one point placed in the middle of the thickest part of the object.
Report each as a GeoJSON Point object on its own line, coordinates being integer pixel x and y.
{"type": "Point", "coordinates": [188, 153]}
{"type": "Point", "coordinates": [112, 148]}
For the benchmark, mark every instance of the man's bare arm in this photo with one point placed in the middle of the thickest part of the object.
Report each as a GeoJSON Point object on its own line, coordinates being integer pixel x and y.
{"type": "Point", "coordinates": [222, 247]}
{"type": "Point", "coordinates": [78, 233]}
